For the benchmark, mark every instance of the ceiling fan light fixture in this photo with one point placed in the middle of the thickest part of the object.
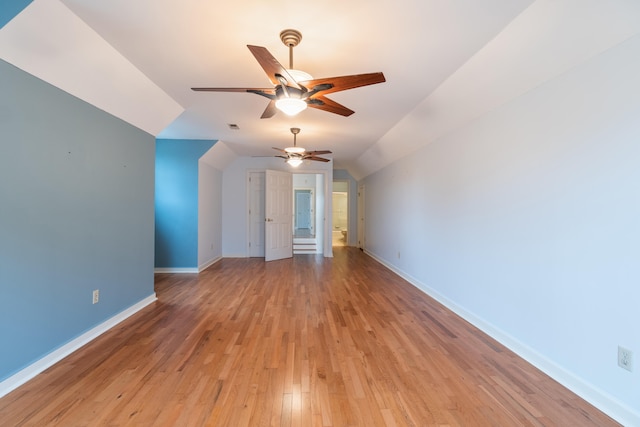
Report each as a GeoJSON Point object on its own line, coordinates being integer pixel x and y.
{"type": "Point", "coordinates": [291, 106]}
{"type": "Point", "coordinates": [294, 161]}
{"type": "Point", "coordinates": [295, 89]}
{"type": "Point", "coordinates": [296, 155]}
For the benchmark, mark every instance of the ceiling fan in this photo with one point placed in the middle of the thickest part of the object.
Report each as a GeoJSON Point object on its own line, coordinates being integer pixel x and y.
{"type": "Point", "coordinates": [295, 90]}
{"type": "Point", "coordinates": [296, 155]}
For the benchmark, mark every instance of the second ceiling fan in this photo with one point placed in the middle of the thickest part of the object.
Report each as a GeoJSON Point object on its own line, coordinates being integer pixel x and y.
{"type": "Point", "coordinates": [296, 155]}
{"type": "Point", "coordinates": [296, 90]}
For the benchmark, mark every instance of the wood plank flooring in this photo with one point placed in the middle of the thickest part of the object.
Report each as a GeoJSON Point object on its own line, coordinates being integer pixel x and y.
{"type": "Point", "coordinates": [306, 341]}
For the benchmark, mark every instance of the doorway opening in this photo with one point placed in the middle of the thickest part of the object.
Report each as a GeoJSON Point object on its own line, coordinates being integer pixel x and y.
{"type": "Point", "coordinates": [303, 208]}
{"type": "Point", "coordinates": [340, 203]}
{"type": "Point", "coordinates": [308, 213]}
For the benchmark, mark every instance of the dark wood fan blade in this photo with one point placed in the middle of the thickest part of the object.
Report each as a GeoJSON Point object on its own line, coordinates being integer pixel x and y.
{"type": "Point", "coordinates": [270, 110]}
{"type": "Point", "coordinates": [313, 153]}
{"type": "Point", "coordinates": [345, 82]}
{"type": "Point", "coordinates": [326, 104]}
{"type": "Point", "coordinates": [271, 66]}
{"type": "Point", "coordinates": [268, 90]}
{"type": "Point", "coordinates": [279, 149]}
{"type": "Point", "coordinates": [317, 159]}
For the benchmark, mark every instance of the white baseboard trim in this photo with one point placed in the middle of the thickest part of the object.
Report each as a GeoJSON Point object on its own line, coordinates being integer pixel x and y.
{"type": "Point", "coordinates": [245, 255]}
{"type": "Point", "coordinates": [21, 377]}
{"type": "Point", "coordinates": [603, 401]}
{"type": "Point", "coordinates": [189, 270]}
{"type": "Point", "coordinates": [175, 270]}
{"type": "Point", "coordinates": [208, 264]}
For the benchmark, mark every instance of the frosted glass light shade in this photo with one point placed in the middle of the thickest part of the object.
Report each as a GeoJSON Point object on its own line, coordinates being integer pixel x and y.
{"type": "Point", "coordinates": [290, 106]}
{"type": "Point", "coordinates": [294, 162]}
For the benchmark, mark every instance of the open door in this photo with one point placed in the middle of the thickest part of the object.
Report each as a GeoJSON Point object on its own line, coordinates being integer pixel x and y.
{"type": "Point", "coordinates": [278, 215]}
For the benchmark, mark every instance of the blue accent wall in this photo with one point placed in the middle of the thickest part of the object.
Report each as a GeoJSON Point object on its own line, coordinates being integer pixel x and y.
{"type": "Point", "coordinates": [176, 234]}
{"type": "Point", "coordinates": [10, 8]}
{"type": "Point", "coordinates": [76, 214]}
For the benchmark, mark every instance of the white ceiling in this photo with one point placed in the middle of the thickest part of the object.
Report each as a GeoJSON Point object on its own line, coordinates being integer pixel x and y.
{"type": "Point", "coordinates": [446, 62]}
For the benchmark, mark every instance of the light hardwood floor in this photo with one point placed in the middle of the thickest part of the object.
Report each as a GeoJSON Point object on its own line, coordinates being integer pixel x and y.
{"type": "Point", "coordinates": [308, 341]}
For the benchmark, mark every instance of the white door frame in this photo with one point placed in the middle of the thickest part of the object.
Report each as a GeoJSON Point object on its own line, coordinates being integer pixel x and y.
{"type": "Point", "coordinates": [255, 219]}
{"type": "Point", "coordinates": [327, 212]}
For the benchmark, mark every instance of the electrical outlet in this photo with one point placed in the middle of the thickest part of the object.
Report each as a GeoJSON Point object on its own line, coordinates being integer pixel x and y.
{"type": "Point", "coordinates": [625, 358]}
{"type": "Point", "coordinates": [96, 296]}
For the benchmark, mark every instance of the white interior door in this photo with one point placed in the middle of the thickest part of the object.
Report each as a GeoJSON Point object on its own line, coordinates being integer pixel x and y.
{"type": "Point", "coordinates": [278, 215]}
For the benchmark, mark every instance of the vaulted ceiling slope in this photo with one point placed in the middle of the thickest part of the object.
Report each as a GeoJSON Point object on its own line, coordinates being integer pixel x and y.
{"type": "Point", "coordinates": [446, 63]}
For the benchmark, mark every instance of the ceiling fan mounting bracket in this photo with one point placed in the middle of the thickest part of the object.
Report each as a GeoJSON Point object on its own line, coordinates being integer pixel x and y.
{"type": "Point", "coordinates": [290, 37]}
{"type": "Point", "coordinates": [295, 131]}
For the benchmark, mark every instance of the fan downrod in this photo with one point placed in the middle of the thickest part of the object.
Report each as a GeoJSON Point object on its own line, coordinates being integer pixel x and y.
{"type": "Point", "coordinates": [290, 38]}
